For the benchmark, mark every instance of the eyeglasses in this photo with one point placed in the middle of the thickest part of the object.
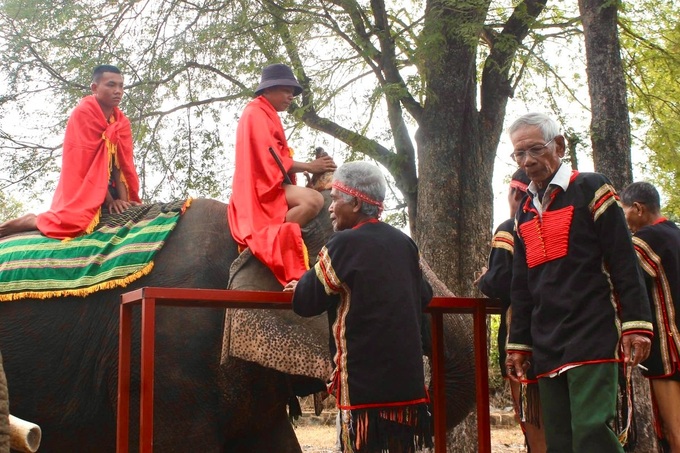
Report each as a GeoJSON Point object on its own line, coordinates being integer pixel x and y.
{"type": "Point", "coordinates": [535, 152]}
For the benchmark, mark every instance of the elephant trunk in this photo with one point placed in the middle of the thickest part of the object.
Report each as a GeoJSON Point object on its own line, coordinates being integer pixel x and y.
{"type": "Point", "coordinates": [459, 368]}
{"type": "Point", "coordinates": [459, 354]}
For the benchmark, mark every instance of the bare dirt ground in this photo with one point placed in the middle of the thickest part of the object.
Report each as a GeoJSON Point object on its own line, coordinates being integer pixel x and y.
{"type": "Point", "coordinates": [321, 439]}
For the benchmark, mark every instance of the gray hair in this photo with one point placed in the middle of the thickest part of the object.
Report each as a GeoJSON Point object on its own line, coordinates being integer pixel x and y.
{"type": "Point", "coordinates": [644, 193]}
{"type": "Point", "coordinates": [366, 178]}
{"type": "Point", "coordinates": [547, 125]}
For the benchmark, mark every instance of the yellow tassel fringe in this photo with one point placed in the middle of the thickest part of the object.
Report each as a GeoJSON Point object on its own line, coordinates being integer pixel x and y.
{"type": "Point", "coordinates": [82, 292]}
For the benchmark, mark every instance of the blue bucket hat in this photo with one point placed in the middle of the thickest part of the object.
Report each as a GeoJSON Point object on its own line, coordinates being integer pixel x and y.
{"type": "Point", "coordinates": [278, 75]}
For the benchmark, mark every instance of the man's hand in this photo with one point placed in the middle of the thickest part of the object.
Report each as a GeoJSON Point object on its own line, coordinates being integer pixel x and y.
{"type": "Point", "coordinates": [118, 206]}
{"type": "Point", "coordinates": [636, 348]}
{"type": "Point", "coordinates": [322, 165]}
{"type": "Point", "coordinates": [516, 365]}
{"type": "Point", "coordinates": [479, 275]}
{"type": "Point", "coordinates": [290, 286]}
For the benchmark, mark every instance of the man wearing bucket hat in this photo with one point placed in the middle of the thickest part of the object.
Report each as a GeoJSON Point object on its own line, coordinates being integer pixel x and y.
{"type": "Point", "coordinates": [267, 208]}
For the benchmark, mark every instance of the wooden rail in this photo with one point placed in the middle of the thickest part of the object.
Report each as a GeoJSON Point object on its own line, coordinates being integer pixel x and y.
{"type": "Point", "coordinates": [150, 297]}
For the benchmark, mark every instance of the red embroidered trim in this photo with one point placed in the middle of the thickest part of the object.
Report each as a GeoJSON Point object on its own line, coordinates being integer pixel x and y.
{"type": "Point", "coordinates": [359, 194]}
{"type": "Point", "coordinates": [586, 362]}
{"type": "Point", "coordinates": [358, 225]}
{"type": "Point", "coordinates": [395, 404]}
{"type": "Point", "coordinates": [498, 240]}
{"type": "Point", "coordinates": [547, 238]}
{"type": "Point", "coordinates": [606, 196]}
{"type": "Point", "coordinates": [518, 185]}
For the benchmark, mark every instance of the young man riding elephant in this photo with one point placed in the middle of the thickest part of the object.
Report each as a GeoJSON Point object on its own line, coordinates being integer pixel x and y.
{"type": "Point", "coordinates": [97, 170]}
{"type": "Point", "coordinates": [267, 209]}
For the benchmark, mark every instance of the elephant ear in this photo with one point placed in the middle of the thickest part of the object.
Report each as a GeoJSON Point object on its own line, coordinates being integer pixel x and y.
{"type": "Point", "coordinates": [277, 339]}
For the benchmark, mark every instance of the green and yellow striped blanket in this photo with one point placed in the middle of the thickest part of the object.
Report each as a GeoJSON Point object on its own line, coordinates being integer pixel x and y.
{"type": "Point", "coordinates": [118, 252]}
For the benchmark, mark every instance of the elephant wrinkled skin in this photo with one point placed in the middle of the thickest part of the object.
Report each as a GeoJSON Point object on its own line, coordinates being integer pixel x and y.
{"type": "Point", "coordinates": [61, 358]}
{"type": "Point", "coordinates": [4, 412]}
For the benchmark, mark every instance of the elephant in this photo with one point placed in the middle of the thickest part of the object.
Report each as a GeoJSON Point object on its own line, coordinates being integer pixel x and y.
{"type": "Point", "coordinates": [61, 355]}
{"type": "Point", "coordinates": [4, 411]}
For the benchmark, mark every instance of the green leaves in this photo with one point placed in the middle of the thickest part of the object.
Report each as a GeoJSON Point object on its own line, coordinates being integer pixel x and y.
{"type": "Point", "coordinates": [9, 207]}
{"type": "Point", "coordinates": [651, 51]}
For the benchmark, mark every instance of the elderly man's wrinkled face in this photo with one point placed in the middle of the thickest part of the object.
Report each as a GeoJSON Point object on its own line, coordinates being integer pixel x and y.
{"type": "Point", "coordinates": [541, 163]}
{"type": "Point", "coordinates": [344, 214]}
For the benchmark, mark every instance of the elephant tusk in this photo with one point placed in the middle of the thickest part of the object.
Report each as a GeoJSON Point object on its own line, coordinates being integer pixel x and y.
{"type": "Point", "coordinates": [24, 436]}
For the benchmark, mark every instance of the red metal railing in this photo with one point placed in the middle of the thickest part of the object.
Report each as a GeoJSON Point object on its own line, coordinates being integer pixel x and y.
{"type": "Point", "coordinates": [149, 297]}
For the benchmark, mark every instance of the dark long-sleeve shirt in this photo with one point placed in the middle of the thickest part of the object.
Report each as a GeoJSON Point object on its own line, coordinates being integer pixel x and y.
{"type": "Point", "coordinates": [576, 284]}
{"type": "Point", "coordinates": [369, 281]}
{"type": "Point", "coordinates": [658, 249]}
{"type": "Point", "coordinates": [498, 278]}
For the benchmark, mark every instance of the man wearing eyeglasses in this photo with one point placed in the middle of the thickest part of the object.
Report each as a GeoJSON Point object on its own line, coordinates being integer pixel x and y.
{"type": "Point", "coordinates": [579, 304]}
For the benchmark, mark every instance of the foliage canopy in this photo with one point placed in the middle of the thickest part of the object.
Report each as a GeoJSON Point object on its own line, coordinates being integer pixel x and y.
{"type": "Point", "coordinates": [651, 39]}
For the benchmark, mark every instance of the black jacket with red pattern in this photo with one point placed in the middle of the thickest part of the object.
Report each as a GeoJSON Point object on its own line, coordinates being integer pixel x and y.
{"type": "Point", "coordinates": [368, 279]}
{"type": "Point", "coordinates": [576, 286]}
{"type": "Point", "coordinates": [658, 248]}
{"type": "Point", "coordinates": [496, 281]}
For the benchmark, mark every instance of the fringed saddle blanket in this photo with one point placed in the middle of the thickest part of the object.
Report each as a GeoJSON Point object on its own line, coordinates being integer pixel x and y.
{"type": "Point", "coordinates": [119, 251]}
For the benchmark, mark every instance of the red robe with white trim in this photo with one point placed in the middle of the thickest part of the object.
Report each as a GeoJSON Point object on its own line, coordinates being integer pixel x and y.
{"type": "Point", "coordinates": [92, 146]}
{"type": "Point", "coordinates": [257, 208]}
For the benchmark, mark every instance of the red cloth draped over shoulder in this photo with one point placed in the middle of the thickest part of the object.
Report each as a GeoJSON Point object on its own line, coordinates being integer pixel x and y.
{"type": "Point", "coordinates": [91, 147]}
{"type": "Point", "coordinates": [257, 208]}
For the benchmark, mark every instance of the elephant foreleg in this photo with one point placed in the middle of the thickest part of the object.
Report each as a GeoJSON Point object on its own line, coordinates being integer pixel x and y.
{"type": "Point", "coordinates": [256, 400]}
{"type": "Point", "coordinates": [279, 436]}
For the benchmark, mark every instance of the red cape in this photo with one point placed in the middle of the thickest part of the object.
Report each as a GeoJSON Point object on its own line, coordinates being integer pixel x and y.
{"type": "Point", "coordinates": [257, 208]}
{"type": "Point", "coordinates": [91, 147]}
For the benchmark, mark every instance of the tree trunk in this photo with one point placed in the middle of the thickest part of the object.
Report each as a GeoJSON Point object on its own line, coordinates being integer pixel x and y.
{"type": "Point", "coordinates": [454, 187]}
{"type": "Point", "coordinates": [609, 126]}
{"type": "Point", "coordinates": [610, 135]}
{"type": "Point", "coordinates": [645, 437]}
{"type": "Point", "coordinates": [4, 411]}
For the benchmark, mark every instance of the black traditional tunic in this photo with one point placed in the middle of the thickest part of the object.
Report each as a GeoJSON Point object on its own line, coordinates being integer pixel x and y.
{"type": "Point", "coordinates": [576, 284]}
{"type": "Point", "coordinates": [496, 281]}
{"type": "Point", "coordinates": [369, 281]}
{"type": "Point", "coordinates": [658, 249]}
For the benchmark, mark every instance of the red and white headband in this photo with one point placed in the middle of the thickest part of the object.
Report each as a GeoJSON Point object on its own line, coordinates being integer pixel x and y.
{"type": "Point", "coordinates": [359, 194]}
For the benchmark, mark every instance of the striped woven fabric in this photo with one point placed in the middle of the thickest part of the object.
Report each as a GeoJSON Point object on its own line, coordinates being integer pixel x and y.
{"type": "Point", "coordinates": [119, 251]}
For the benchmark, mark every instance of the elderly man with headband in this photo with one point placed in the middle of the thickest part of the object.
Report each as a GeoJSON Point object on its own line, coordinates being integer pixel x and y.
{"type": "Point", "coordinates": [368, 279]}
